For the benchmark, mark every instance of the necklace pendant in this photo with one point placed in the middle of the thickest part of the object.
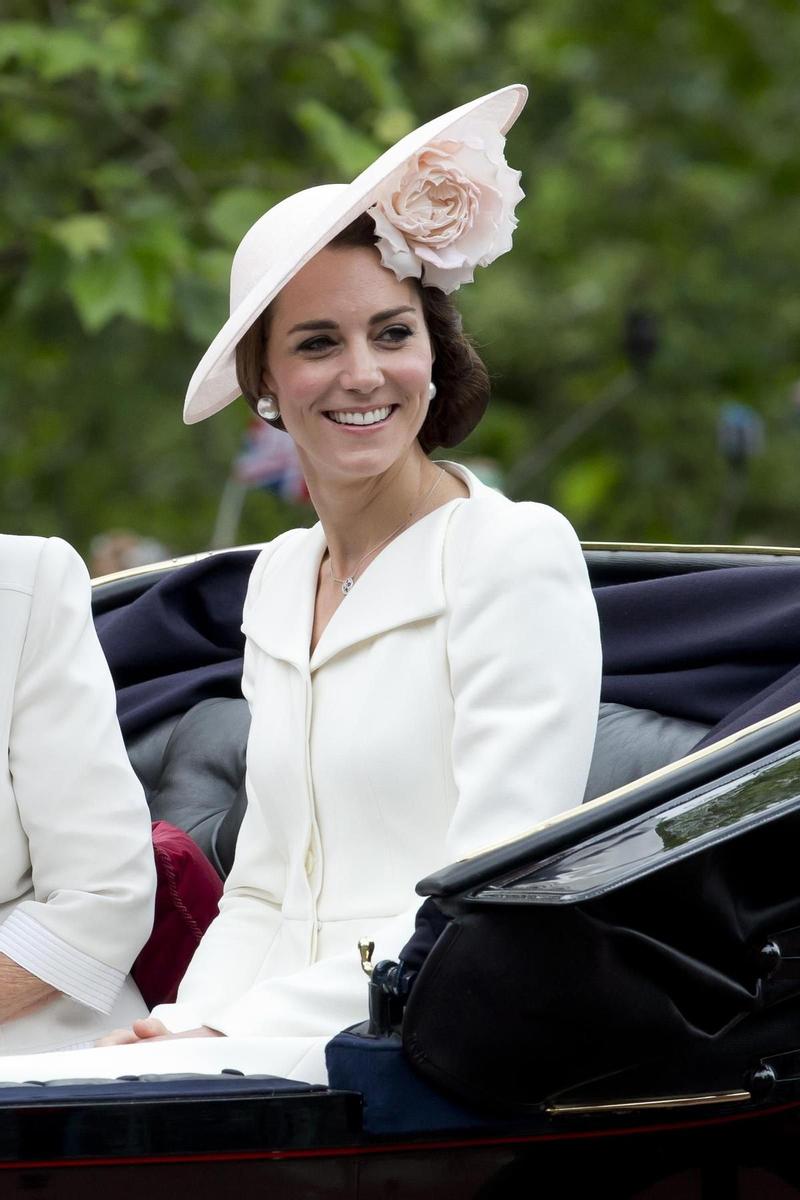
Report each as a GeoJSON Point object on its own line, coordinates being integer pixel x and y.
{"type": "Point", "coordinates": [347, 584]}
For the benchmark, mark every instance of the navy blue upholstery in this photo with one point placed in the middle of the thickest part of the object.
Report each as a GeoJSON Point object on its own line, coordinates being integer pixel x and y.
{"type": "Point", "coordinates": [151, 1087]}
{"type": "Point", "coordinates": [396, 1101]}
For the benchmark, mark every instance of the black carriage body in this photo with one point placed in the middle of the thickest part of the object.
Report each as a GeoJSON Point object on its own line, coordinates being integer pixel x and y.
{"type": "Point", "coordinates": [658, 955]}
{"type": "Point", "coordinates": [615, 995]}
{"type": "Point", "coordinates": [205, 1139]}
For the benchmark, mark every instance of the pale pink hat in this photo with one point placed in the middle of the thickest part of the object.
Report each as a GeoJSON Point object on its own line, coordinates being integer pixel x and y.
{"type": "Point", "coordinates": [283, 240]}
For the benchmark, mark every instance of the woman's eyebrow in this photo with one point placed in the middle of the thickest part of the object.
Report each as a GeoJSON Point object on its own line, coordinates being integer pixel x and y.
{"type": "Point", "coordinates": [322, 323]}
{"type": "Point", "coordinates": [388, 313]}
{"type": "Point", "coordinates": [305, 325]}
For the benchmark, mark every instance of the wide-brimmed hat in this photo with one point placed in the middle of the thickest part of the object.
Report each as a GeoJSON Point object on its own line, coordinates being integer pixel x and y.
{"type": "Point", "coordinates": [283, 240]}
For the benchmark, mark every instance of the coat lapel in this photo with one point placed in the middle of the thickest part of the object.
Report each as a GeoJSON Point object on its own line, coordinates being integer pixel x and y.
{"type": "Point", "coordinates": [402, 585]}
{"type": "Point", "coordinates": [281, 618]}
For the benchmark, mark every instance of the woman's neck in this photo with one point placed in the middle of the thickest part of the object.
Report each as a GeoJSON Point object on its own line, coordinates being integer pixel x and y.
{"type": "Point", "coordinates": [358, 513]}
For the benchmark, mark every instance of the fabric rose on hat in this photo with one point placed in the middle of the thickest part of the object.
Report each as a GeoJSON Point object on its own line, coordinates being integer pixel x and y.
{"type": "Point", "coordinates": [448, 209]}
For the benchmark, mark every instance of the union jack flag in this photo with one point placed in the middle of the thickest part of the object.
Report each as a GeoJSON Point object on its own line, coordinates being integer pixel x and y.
{"type": "Point", "coordinates": [268, 459]}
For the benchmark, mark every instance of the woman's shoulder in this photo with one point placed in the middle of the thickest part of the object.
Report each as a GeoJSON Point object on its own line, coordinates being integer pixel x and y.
{"type": "Point", "coordinates": [491, 529]}
{"type": "Point", "coordinates": [509, 566]}
{"type": "Point", "coordinates": [28, 562]}
{"type": "Point", "coordinates": [272, 556]}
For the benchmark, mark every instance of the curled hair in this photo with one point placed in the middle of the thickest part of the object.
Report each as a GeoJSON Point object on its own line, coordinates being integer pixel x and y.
{"type": "Point", "coordinates": [462, 381]}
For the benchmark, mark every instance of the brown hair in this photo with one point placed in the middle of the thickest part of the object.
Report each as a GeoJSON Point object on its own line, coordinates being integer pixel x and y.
{"type": "Point", "coordinates": [462, 381]}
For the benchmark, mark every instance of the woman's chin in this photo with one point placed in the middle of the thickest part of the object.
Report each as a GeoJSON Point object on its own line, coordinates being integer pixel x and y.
{"type": "Point", "coordinates": [362, 457]}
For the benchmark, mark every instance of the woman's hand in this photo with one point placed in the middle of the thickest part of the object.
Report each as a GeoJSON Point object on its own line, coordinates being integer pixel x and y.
{"type": "Point", "coordinates": [150, 1029]}
{"type": "Point", "coordinates": [140, 1031]}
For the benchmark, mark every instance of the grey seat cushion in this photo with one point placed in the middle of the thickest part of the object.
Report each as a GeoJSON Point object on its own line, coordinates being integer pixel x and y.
{"type": "Point", "coordinates": [192, 769]}
{"type": "Point", "coordinates": [631, 742]}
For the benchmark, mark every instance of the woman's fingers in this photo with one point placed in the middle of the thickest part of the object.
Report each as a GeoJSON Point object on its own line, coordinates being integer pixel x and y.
{"type": "Point", "coordinates": [117, 1037]}
{"type": "Point", "coordinates": [149, 1027]}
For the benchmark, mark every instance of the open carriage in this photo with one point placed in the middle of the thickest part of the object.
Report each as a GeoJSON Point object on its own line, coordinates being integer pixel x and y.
{"type": "Point", "coordinates": [615, 996]}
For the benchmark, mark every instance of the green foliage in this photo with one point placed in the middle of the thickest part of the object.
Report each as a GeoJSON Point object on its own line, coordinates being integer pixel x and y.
{"type": "Point", "coordinates": [661, 159]}
{"type": "Point", "coordinates": [334, 139]}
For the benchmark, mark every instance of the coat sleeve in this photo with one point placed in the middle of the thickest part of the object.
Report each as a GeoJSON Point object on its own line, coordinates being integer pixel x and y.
{"type": "Point", "coordinates": [524, 661]}
{"type": "Point", "coordinates": [525, 669]}
{"type": "Point", "coordinates": [79, 802]}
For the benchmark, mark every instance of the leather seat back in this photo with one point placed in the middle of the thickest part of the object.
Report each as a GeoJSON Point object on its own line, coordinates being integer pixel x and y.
{"type": "Point", "coordinates": [192, 770]}
{"type": "Point", "coordinates": [631, 742]}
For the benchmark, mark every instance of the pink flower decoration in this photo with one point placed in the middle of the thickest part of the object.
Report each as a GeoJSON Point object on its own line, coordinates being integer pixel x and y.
{"type": "Point", "coordinates": [448, 209]}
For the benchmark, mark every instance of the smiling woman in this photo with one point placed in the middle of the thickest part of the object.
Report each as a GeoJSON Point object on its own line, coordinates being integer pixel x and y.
{"type": "Point", "coordinates": [423, 665]}
{"type": "Point", "coordinates": [333, 375]}
{"type": "Point", "coordinates": [459, 377]}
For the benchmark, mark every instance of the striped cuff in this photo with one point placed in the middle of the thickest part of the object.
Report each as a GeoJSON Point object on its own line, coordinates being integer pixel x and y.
{"type": "Point", "coordinates": [47, 956]}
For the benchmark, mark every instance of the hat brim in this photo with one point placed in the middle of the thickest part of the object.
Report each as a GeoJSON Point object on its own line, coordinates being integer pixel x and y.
{"type": "Point", "coordinates": [214, 385]}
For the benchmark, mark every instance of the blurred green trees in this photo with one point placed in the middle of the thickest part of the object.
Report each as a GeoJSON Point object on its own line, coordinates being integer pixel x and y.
{"type": "Point", "coordinates": [661, 155]}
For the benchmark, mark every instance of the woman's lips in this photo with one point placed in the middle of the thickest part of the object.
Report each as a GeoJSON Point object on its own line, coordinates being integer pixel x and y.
{"type": "Point", "coordinates": [361, 419]}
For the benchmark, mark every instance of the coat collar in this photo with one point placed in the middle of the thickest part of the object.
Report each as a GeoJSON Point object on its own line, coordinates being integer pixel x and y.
{"type": "Point", "coordinates": [402, 585]}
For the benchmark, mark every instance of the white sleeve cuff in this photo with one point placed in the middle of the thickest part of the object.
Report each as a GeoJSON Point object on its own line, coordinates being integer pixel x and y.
{"type": "Point", "coordinates": [47, 956]}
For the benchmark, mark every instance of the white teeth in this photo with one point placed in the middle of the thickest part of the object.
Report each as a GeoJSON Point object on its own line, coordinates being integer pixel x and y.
{"type": "Point", "coordinates": [360, 418]}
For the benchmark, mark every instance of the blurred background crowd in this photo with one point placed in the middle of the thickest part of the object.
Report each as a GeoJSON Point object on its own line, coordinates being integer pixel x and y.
{"type": "Point", "coordinates": [643, 335]}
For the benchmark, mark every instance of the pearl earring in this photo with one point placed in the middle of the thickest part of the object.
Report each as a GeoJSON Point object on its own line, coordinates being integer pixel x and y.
{"type": "Point", "coordinates": [267, 408]}
{"type": "Point", "coordinates": [431, 391]}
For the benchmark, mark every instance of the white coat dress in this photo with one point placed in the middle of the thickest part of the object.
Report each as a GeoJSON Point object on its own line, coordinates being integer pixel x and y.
{"type": "Point", "coordinates": [449, 705]}
{"type": "Point", "coordinates": [77, 878]}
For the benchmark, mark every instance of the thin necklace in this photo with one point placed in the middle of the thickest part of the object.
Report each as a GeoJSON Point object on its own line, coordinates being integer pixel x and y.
{"type": "Point", "coordinates": [347, 584]}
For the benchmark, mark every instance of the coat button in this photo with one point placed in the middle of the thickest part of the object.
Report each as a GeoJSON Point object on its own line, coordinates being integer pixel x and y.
{"type": "Point", "coordinates": [310, 862]}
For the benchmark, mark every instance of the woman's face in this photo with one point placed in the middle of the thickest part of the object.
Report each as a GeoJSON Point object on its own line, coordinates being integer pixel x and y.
{"type": "Point", "coordinates": [349, 360]}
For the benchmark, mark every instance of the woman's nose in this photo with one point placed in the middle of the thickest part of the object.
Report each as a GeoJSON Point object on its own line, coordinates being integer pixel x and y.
{"type": "Point", "coordinates": [360, 370]}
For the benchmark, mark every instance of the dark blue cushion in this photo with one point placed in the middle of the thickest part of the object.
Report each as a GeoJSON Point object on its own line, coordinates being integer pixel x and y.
{"type": "Point", "coordinates": [396, 1101]}
{"type": "Point", "coordinates": [151, 1087]}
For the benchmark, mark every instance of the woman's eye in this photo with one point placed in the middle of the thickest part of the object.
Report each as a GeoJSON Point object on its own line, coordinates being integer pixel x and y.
{"type": "Point", "coordinates": [321, 342]}
{"type": "Point", "coordinates": [396, 333]}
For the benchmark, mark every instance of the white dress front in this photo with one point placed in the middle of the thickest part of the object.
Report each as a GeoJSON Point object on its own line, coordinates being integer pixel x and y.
{"type": "Point", "coordinates": [450, 705]}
